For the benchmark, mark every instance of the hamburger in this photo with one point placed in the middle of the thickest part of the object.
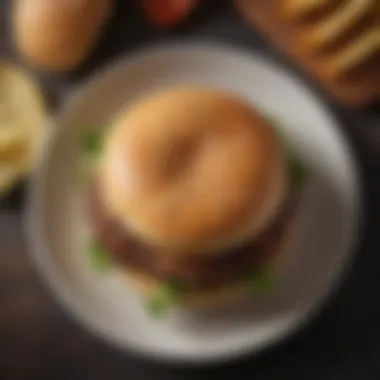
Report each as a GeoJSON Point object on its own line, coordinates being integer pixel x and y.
{"type": "Point", "coordinates": [194, 196]}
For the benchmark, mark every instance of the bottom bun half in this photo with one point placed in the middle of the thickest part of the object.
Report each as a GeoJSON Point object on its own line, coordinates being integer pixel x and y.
{"type": "Point", "coordinates": [230, 294]}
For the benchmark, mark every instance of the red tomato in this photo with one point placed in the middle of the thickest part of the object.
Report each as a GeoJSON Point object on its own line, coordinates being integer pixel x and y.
{"type": "Point", "coordinates": [168, 12]}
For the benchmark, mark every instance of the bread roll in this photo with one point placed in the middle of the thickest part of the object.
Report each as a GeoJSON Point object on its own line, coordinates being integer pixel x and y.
{"type": "Point", "coordinates": [58, 34]}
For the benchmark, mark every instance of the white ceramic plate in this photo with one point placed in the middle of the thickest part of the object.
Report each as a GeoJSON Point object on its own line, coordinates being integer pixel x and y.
{"type": "Point", "coordinates": [106, 304]}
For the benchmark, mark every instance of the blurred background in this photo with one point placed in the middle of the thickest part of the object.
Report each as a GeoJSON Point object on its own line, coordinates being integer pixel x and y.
{"type": "Point", "coordinates": [38, 339]}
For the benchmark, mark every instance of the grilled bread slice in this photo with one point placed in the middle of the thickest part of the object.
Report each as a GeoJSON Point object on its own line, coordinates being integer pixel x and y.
{"type": "Point", "coordinates": [336, 41]}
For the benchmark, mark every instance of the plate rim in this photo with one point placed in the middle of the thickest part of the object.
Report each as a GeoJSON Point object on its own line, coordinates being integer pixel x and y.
{"type": "Point", "coordinates": [38, 250]}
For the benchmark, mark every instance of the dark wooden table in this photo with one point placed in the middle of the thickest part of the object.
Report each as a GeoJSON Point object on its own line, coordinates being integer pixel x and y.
{"type": "Point", "coordinates": [39, 341]}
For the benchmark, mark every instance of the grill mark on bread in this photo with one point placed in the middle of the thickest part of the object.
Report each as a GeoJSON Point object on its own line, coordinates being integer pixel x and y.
{"type": "Point", "coordinates": [306, 11]}
{"type": "Point", "coordinates": [319, 39]}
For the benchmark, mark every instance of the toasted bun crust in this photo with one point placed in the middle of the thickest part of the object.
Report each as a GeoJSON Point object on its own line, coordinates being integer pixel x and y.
{"type": "Point", "coordinates": [231, 293]}
{"type": "Point", "coordinates": [193, 168]}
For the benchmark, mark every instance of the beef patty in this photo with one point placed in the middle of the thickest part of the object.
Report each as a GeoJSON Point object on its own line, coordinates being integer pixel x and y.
{"type": "Point", "coordinates": [196, 271]}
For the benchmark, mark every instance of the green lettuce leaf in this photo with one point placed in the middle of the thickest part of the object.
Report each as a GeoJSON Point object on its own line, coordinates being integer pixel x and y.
{"type": "Point", "coordinates": [298, 170]}
{"type": "Point", "coordinates": [165, 297]}
{"type": "Point", "coordinates": [100, 258]}
{"type": "Point", "coordinates": [93, 143]}
{"type": "Point", "coordinates": [261, 280]}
